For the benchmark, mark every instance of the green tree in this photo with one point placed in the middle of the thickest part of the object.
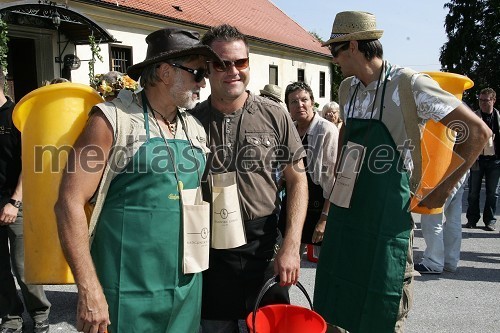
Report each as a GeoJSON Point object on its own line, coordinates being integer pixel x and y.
{"type": "Point", "coordinates": [336, 74]}
{"type": "Point", "coordinates": [473, 29]}
{"type": "Point", "coordinates": [3, 50]}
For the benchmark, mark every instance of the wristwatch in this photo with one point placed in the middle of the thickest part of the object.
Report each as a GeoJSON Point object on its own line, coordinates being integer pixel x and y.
{"type": "Point", "coordinates": [15, 203]}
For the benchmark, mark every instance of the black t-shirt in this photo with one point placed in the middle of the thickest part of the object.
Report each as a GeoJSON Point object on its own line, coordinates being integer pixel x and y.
{"type": "Point", "coordinates": [10, 150]}
{"type": "Point", "coordinates": [492, 122]}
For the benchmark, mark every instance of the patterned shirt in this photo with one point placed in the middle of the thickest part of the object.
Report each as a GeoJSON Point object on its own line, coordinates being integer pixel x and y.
{"type": "Point", "coordinates": [432, 102]}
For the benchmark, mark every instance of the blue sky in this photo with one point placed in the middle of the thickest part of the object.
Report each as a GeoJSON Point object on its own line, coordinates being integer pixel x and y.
{"type": "Point", "coordinates": [413, 30]}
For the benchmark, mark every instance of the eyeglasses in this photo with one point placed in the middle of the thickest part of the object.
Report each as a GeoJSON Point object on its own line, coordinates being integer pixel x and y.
{"type": "Point", "coordinates": [199, 74]}
{"type": "Point", "coordinates": [485, 100]}
{"type": "Point", "coordinates": [335, 49]}
{"type": "Point", "coordinates": [297, 85]}
{"type": "Point", "coordinates": [239, 64]}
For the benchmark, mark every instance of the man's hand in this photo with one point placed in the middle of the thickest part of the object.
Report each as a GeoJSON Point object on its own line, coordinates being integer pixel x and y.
{"type": "Point", "coordinates": [8, 214]}
{"type": "Point", "coordinates": [434, 199]}
{"type": "Point", "coordinates": [92, 312]}
{"type": "Point", "coordinates": [319, 230]}
{"type": "Point", "coordinates": [287, 265]}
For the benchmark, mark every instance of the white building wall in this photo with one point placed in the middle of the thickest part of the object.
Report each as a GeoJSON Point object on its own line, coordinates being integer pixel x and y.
{"type": "Point", "coordinates": [288, 64]}
{"type": "Point", "coordinates": [132, 30]}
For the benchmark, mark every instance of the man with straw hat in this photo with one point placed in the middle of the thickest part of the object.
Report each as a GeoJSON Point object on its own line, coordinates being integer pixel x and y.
{"type": "Point", "coordinates": [364, 275]}
{"type": "Point", "coordinates": [136, 276]}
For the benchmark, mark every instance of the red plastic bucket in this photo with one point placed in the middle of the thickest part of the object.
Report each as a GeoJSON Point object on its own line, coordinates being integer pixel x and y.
{"type": "Point", "coordinates": [284, 318]}
{"type": "Point", "coordinates": [311, 256]}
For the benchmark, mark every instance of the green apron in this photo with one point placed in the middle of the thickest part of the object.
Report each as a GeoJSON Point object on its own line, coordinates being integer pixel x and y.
{"type": "Point", "coordinates": [361, 268]}
{"type": "Point", "coordinates": [137, 250]}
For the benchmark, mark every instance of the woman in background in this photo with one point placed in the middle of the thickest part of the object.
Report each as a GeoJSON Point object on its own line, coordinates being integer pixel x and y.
{"type": "Point", "coordinates": [331, 113]}
{"type": "Point", "coordinates": [319, 138]}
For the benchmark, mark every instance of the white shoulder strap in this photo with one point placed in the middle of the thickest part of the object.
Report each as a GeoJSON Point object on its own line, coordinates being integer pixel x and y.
{"type": "Point", "coordinates": [344, 87]}
{"type": "Point", "coordinates": [411, 120]}
{"type": "Point", "coordinates": [116, 158]}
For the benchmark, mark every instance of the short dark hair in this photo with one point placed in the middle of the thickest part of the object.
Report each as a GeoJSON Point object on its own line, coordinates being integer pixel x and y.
{"type": "Point", "coordinates": [298, 86]}
{"type": "Point", "coordinates": [371, 48]}
{"type": "Point", "coordinates": [149, 76]}
{"type": "Point", "coordinates": [488, 91]}
{"type": "Point", "coordinates": [223, 32]}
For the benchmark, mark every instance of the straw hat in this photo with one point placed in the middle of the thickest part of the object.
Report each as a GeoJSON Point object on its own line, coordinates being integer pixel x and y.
{"type": "Point", "coordinates": [171, 43]}
{"type": "Point", "coordinates": [353, 26]}
{"type": "Point", "coordinates": [272, 90]}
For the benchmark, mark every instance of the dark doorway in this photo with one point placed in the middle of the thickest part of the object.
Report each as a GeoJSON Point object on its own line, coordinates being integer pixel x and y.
{"type": "Point", "coordinates": [22, 66]}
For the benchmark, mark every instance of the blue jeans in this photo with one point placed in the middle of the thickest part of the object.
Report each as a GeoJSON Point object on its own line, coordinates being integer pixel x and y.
{"type": "Point", "coordinates": [443, 240]}
{"type": "Point", "coordinates": [11, 306]}
{"type": "Point", "coordinates": [490, 170]}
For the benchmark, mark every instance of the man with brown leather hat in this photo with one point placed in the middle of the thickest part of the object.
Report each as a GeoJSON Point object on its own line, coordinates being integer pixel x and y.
{"type": "Point", "coordinates": [365, 271]}
{"type": "Point", "coordinates": [142, 272]}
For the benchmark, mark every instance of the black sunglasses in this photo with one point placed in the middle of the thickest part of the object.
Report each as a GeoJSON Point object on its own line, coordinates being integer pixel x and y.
{"type": "Point", "coordinates": [240, 64]}
{"type": "Point", "coordinates": [335, 49]}
{"type": "Point", "coordinates": [199, 74]}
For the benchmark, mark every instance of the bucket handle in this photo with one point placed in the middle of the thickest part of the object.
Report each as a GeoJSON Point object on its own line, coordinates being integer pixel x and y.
{"type": "Point", "coordinates": [271, 282]}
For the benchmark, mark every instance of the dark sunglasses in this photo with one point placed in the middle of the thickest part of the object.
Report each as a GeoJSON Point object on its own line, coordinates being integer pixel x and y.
{"type": "Point", "coordinates": [240, 64]}
{"type": "Point", "coordinates": [335, 49]}
{"type": "Point", "coordinates": [199, 74]}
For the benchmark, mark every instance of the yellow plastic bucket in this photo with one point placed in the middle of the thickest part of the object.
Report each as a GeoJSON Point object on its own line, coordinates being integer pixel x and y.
{"type": "Point", "coordinates": [50, 120]}
{"type": "Point", "coordinates": [437, 144]}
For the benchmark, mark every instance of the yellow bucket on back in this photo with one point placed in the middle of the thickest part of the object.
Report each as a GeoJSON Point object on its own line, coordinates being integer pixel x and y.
{"type": "Point", "coordinates": [50, 120]}
{"type": "Point", "coordinates": [437, 143]}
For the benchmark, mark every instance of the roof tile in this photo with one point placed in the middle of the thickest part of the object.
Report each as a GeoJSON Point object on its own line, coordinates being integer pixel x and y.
{"type": "Point", "coordinates": [257, 18]}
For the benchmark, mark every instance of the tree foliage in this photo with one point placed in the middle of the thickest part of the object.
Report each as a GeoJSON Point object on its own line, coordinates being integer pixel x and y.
{"type": "Point", "coordinates": [96, 54]}
{"type": "Point", "coordinates": [473, 47]}
{"type": "Point", "coordinates": [336, 74]}
{"type": "Point", "coordinates": [4, 39]}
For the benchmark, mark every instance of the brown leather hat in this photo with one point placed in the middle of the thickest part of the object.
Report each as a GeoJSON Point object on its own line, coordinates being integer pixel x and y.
{"type": "Point", "coordinates": [171, 43]}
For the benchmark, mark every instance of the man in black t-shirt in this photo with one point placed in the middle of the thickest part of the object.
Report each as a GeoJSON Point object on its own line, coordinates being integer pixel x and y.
{"type": "Point", "coordinates": [11, 232]}
{"type": "Point", "coordinates": [487, 166]}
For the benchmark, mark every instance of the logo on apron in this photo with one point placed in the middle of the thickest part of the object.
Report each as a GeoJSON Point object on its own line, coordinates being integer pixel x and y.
{"type": "Point", "coordinates": [349, 168]}
{"type": "Point", "coordinates": [227, 224]}
{"type": "Point", "coordinates": [196, 223]}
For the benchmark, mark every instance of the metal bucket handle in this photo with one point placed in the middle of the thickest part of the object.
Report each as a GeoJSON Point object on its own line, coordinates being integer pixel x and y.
{"type": "Point", "coordinates": [271, 282]}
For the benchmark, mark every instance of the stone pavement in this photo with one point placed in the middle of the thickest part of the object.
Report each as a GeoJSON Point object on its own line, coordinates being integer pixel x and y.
{"type": "Point", "coordinates": [464, 301]}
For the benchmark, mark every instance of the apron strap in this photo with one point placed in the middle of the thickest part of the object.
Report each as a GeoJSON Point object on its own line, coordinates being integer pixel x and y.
{"type": "Point", "coordinates": [123, 124]}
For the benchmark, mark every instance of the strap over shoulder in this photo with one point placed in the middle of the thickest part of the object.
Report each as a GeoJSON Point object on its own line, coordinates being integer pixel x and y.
{"type": "Point", "coordinates": [117, 157]}
{"type": "Point", "coordinates": [344, 87]}
{"type": "Point", "coordinates": [412, 121]}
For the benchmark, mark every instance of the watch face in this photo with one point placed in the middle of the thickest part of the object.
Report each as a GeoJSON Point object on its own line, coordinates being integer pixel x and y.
{"type": "Point", "coordinates": [15, 203]}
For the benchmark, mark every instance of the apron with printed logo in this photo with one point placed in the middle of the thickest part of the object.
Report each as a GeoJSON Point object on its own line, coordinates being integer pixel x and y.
{"type": "Point", "coordinates": [361, 268]}
{"type": "Point", "coordinates": [138, 247]}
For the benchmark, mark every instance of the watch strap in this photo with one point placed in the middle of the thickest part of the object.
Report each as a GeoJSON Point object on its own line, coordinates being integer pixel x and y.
{"type": "Point", "coordinates": [15, 203]}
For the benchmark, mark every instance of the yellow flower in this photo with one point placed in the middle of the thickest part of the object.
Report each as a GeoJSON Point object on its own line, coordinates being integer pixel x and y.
{"type": "Point", "coordinates": [110, 84]}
